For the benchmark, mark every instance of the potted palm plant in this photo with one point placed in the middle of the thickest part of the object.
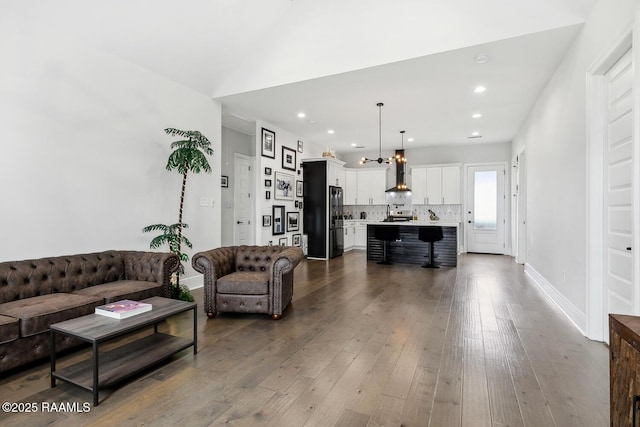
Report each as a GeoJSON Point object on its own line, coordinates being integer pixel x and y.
{"type": "Point", "coordinates": [189, 155]}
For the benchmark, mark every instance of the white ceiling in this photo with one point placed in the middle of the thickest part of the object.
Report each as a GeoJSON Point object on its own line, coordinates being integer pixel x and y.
{"type": "Point", "coordinates": [333, 59]}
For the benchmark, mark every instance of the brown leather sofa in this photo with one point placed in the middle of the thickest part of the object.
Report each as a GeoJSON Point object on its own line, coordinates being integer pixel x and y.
{"type": "Point", "coordinates": [248, 279]}
{"type": "Point", "coordinates": [36, 293]}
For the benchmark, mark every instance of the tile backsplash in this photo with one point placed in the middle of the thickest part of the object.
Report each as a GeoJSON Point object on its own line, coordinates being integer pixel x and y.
{"type": "Point", "coordinates": [452, 213]}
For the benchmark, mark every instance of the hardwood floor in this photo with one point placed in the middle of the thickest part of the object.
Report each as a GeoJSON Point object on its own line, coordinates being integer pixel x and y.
{"type": "Point", "coordinates": [362, 345]}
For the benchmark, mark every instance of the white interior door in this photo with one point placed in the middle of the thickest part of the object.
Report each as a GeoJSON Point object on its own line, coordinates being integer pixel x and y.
{"type": "Point", "coordinates": [618, 197]}
{"type": "Point", "coordinates": [243, 200]}
{"type": "Point", "coordinates": [521, 210]}
{"type": "Point", "coordinates": [485, 216]}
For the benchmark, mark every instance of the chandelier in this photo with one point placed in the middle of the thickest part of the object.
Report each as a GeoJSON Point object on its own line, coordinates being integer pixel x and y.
{"type": "Point", "coordinates": [380, 160]}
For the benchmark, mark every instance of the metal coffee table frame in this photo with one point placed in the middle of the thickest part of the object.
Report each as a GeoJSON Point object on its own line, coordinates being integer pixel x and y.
{"type": "Point", "coordinates": [115, 365]}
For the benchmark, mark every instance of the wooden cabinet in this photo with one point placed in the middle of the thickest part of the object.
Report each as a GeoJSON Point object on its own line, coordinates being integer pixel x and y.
{"type": "Point", "coordinates": [624, 370]}
{"type": "Point", "coordinates": [371, 185]}
{"type": "Point", "coordinates": [349, 236]}
{"type": "Point", "coordinates": [335, 174]}
{"type": "Point", "coordinates": [350, 187]}
{"type": "Point", "coordinates": [436, 185]}
{"type": "Point", "coordinates": [360, 241]}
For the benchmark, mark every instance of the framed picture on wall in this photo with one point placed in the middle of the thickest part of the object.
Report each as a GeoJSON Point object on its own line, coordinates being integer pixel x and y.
{"type": "Point", "coordinates": [268, 143]}
{"type": "Point", "coordinates": [266, 220]}
{"type": "Point", "coordinates": [267, 171]}
{"type": "Point", "coordinates": [293, 221]}
{"type": "Point", "coordinates": [278, 220]}
{"type": "Point", "coordinates": [267, 183]}
{"type": "Point", "coordinates": [283, 186]}
{"type": "Point", "coordinates": [299, 146]}
{"type": "Point", "coordinates": [267, 194]}
{"type": "Point", "coordinates": [283, 241]}
{"type": "Point", "coordinates": [296, 240]}
{"type": "Point", "coordinates": [225, 181]}
{"type": "Point", "coordinates": [288, 158]}
{"type": "Point", "coordinates": [299, 189]}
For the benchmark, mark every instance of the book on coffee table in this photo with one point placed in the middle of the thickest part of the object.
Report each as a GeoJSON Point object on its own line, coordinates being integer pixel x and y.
{"type": "Point", "coordinates": [123, 309]}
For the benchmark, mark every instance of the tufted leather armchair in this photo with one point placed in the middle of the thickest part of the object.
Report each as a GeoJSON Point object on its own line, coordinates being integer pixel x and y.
{"type": "Point", "coordinates": [248, 279]}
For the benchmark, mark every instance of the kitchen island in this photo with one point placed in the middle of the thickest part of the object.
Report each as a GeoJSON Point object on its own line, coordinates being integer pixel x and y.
{"type": "Point", "coordinates": [408, 249]}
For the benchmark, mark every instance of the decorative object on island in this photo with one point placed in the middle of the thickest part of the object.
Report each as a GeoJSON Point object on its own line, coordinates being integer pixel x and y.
{"type": "Point", "coordinates": [123, 309]}
{"type": "Point", "coordinates": [293, 221]}
{"type": "Point", "coordinates": [268, 143]}
{"type": "Point", "coordinates": [278, 220]}
{"type": "Point", "coordinates": [283, 241]}
{"type": "Point", "coordinates": [266, 220]}
{"type": "Point", "coordinates": [379, 159]}
{"type": "Point", "coordinates": [433, 216]}
{"type": "Point", "coordinates": [225, 181]}
{"type": "Point", "coordinates": [284, 186]}
{"type": "Point", "coordinates": [288, 158]}
{"type": "Point", "coordinates": [188, 155]}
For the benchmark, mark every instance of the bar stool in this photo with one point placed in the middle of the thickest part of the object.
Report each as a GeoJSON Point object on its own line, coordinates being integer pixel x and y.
{"type": "Point", "coordinates": [386, 233]}
{"type": "Point", "coordinates": [431, 234]}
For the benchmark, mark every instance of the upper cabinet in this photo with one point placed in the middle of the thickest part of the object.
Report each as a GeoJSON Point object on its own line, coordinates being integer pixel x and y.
{"type": "Point", "coordinates": [335, 174]}
{"type": "Point", "coordinates": [350, 186]}
{"type": "Point", "coordinates": [365, 187]}
{"type": "Point", "coordinates": [436, 185]}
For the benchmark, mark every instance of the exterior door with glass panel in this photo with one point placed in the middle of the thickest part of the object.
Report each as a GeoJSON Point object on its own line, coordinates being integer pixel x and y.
{"type": "Point", "coordinates": [485, 219]}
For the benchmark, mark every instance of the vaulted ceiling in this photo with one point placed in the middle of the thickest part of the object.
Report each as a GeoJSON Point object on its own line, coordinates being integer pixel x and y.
{"type": "Point", "coordinates": [335, 59]}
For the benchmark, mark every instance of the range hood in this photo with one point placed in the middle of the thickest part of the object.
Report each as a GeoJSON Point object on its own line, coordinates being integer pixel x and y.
{"type": "Point", "coordinates": [401, 184]}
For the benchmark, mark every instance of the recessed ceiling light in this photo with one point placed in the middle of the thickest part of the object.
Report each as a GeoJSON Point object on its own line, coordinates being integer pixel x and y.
{"type": "Point", "coordinates": [353, 144]}
{"type": "Point", "coordinates": [331, 131]}
{"type": "Point", "coordinates": [302, 115]}
{"type": "Point", "coordinates": [312, 122]}
{"type": "Point", "coordinates": [476, 134]}
{"type": "Point", "coordinates": [410, 140]}
{"type": "Point", "coordinates": [479, 89]}
{"type": "Point", "coordinates": [476, 115]}
{"type": "Point", "coordinates": [481, 59]}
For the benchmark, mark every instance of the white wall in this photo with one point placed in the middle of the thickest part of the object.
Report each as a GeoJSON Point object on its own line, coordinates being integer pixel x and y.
{"type": "Point", "coordinates": [263, 206]}
{"type": "Point", "coordinates": [84, 151]}
{"type": "Point", "coordinates": [554, 137]}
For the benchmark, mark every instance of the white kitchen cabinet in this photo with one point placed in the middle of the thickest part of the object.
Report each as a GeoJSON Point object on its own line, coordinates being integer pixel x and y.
{"type": "Point", "coordinates": [349, 236]}
{"type": "Point", "coordinates": [436, 185]}
{"type": "Point", "coordinates": [335, 174]}
{"type": "Point", "coordinates": [360, 241]}
{"type": "Point", "coordinates": [350, 187]}
{"type": "Point", "coordinates": [451, 185]}
{"type": "Point", "coordinates": [371, 185]}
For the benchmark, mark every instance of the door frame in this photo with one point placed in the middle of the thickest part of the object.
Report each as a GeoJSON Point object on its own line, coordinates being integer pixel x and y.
{"type": "Point", "coordinates": [596, 140]}
{"type": "Point", "coordinates": [252, 208]}
{"type": "Point", "coordinates": [507, 205]}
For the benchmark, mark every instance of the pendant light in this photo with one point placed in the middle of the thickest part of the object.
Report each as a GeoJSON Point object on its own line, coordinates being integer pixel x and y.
{"type": "Point", "coordinates": [379, 159]}
{"type": "Point", "coordinates": [400, 156]}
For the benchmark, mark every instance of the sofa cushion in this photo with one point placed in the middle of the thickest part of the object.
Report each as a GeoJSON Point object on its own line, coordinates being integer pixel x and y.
{"type": "Point", "coordinates": [244, 282]}
{"type": "Point", "coordinates": [9, 329]}
{"type": "Point", "coordinates": [123, 289]}
{"type": "Point", "coordinates": [37, 313]}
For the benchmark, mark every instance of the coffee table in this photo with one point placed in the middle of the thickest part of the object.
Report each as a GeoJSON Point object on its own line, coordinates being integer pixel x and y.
{"type": "Point", "coordinates": [115, 365]}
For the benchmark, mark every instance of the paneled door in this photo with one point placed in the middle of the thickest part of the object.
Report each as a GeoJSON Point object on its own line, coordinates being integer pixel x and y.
{"type": "Point", "coordinates": [618, 197]}
{"type": "Point", "coordinates": [485, 218]}
{"type": "Point", "coordinates": [243, 189]}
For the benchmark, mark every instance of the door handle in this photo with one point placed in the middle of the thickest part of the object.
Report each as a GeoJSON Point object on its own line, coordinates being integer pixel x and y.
{"type": "Point", "coordinates": [628, 248]}
{"type": "Point", "coordinates": [239, 222]}
{"type": "Point", "coordinates": [470, 222]}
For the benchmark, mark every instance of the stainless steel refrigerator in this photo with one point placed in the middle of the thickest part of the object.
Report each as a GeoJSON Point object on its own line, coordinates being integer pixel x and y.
{"type": "Point", "coordinates": [336, 225]}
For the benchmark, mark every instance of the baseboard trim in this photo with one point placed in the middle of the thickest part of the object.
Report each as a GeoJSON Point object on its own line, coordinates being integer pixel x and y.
{"type": "Point", "coordinates": [575, 315]}
{"type": "Point", "coordinates": [193, 282]}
